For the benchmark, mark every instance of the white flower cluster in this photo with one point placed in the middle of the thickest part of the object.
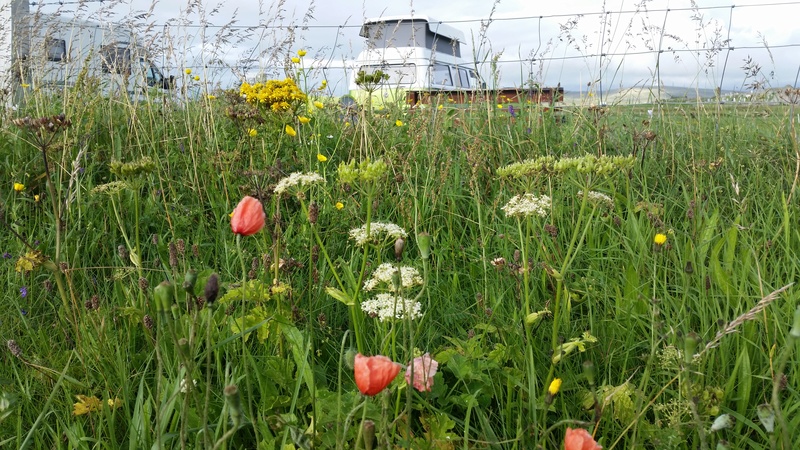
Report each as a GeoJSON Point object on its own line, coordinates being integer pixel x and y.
{"type": "Point", "coordinates": [186, 387]}
{"type": "Point", "coordinates": [409, 277]}
{"type": "Point", "coordinates": [598, 198]}
{"type": "Point", "coordinates": [387, 307]}
{"type": "Point", "coordinates": [297, 178]}
{"type": "Point", "coordinates": [376, 231]}
{"type": "Point", "coordinates": [526, 205]}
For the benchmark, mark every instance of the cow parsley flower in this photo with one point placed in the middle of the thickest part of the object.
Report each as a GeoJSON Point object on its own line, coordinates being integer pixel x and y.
{"type": "Point", "coordinates": [527, 205]}
{"type": "Point", "coordinates": [387, 307]}
{"type": "Point", "coordinates": [598, 198]}
{"type": "Point", "coordinates": [297, 179]}
{"type": "Point", "coordinates": [377, 232]}
{"type": "Point", "coordinates": [409, 277]}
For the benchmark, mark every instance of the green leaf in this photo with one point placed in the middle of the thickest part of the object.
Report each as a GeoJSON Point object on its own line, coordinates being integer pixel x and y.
{"type": "Point", "coordinates": [339, 295]}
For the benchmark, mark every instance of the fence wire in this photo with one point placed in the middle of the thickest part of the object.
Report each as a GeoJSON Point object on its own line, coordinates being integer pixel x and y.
{"type": "Point", "coordinates": [602, 55]}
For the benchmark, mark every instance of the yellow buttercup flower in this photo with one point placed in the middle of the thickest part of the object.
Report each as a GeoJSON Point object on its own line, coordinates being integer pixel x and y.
{"type": "Point", "coordinates": [339, 205]}
{"type": "Point", "coordinates": [555, 385]}
{"type": "Point", "coordinates": [36, 198]}
{"type": "Point", "coordinates": [398, 123]}
{"type": "Point", "coordinates": [290, 131]}
{"type": "Point", "coordinates": [499, 106]}
{"type": "Point", "coordinates": [211, 97]}
{"type": "Point", "coordinates": [660, 239]}
{"type": "Point", "coordinates": [19, 187]}
{"type": "Point", "coordinates": [252, 132]}
{"type": "Point", "coordinates": [303, 119]}
{"type": "Point", "coordinates": [319, 104]}
{"type": "Point", "coordinates": [295, 60]}
{"type": "Point", "coordinates": [188, 71]}
{"type": "Point", "coordinates": [440, 107]}
{"type": "Point", "coordinates": [301, 53]}
{"type": "Point", "coordinates": [25, 85]}
{"type": "Point", "coordinates": [321, 157]}
{"type": "Point", "coordinates": [197, 78]}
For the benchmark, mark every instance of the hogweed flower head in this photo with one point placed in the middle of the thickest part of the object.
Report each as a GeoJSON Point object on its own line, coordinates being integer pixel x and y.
{"type": "Point", "coordinates": [388, 307]}
{"type": "Point", "coordinates": [378, 232]}
{"type": "Point", "coordinates": [296, 181]}
{"type": "Point", "coordinates": [527, 205]}
{"type": "Point", "coordinates": [365, 171]}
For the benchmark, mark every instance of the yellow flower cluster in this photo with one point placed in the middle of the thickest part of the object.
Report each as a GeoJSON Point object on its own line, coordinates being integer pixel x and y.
{"type": "Point", "coordinates": [276, 95]}
{"type": "Point", "coordinates": [86, 404]}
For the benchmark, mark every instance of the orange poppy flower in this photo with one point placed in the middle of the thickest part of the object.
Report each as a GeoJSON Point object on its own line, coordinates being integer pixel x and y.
{"type": "Point", "coordinates": [579, 439]}
{"type": "Point", "coordinates": [374, 373]}
{"type": "Point", "coordinates": [248, 217]}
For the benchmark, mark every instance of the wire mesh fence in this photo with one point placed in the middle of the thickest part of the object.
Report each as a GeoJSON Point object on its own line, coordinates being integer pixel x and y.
{"type": "Point", "coordinates": [603, 56]}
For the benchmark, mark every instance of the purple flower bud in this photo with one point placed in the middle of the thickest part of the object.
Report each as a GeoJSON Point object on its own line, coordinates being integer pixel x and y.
{"type": "Point", "coordinates": [23, 291]}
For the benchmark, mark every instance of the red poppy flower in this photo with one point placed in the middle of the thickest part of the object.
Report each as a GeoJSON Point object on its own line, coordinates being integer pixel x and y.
{"type": "Point", "coordinates": [579, 439]}
{"type": "Point", "coordinates": [374, 373]}
{"type": "Point", "coordinates": [248, 217]}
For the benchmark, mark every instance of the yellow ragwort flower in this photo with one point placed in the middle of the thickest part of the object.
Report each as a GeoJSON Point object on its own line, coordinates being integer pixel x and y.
{"type": "Point", "coordinates": [301, 53]}
{"type": "Point", "coordinates": [303, 119]}
{"type": "Point", "coordinates": [398, 123]}
{"type": "Point", "coordinates": [319, 104]}
{"type": "Point", "coordinates": [290, 131]}
{"type": "Point", "coordinates": [660, 239]}
{"type": "Point", "coordinates": [252, 132]}
{"type": "Point", "coordinates": [555, 385]}
{"type": "Point", "coordinates": [339, 205]}
{"type": "Point", "coordinates": [188, 71]}
{"type": "Point", "coordinates": [321, 157]}
{"type": "Point", "coordinates": [295, 60]}
{"type": "Point", "coordinates": [19, 187]}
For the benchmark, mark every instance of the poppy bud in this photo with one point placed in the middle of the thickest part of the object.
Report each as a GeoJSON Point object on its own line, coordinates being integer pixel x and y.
{"type": "Point", "coordinates": [399, 245]}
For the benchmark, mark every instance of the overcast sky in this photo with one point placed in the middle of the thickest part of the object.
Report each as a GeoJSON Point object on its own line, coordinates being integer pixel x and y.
{"type": "Point", "coordinates": [548, 41]}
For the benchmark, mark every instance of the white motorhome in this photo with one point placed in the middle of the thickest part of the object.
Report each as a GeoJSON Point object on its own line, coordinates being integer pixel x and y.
{"type": "Point", "coordinates": [417, 53]}
{"type": "Point", "coordinates": [53, 52]}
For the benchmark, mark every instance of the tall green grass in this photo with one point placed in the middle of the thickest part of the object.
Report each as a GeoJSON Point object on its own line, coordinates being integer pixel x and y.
{"type": "Point", "coordinates": [664, 355]}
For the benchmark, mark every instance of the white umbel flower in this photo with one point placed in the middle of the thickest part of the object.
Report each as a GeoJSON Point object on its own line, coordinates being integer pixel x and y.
{"type": "Point", "coordinates": [598, 198]}
{"type": "Point", "coordinates": [527, 205]}
{"type": "Point", "coordinates": [377, 232]}
{"type": "Point", "coordinates": [297, 179]}
{"type": "Point", "coordinates": [409, 277]}
{"type": "Point", "coordinates": [387, 307]}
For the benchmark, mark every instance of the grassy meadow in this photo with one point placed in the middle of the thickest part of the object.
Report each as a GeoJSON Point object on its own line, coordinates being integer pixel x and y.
{"type": "Point", "coordinates": [623, 270]}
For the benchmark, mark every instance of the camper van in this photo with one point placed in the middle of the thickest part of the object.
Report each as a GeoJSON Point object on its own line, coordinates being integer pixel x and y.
{"type": "Point", "coordinates": [53, 52]}
{"type": "Point", "coordinates": [417, 53]}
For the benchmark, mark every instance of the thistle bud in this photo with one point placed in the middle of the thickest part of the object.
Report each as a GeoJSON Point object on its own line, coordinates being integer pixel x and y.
{"type": "Point", "coordinates": [211, 289]}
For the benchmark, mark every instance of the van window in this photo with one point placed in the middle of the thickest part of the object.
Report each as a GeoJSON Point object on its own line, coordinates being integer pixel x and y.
{"type": "Point", "coordinates": [56, 49]}
{"type": "Point", "coordinates": [116, 59]}
{"type": "Point", "coordinates": [441, 75]}
{"type": "Point", "coordinates": [398, 73]}
{"type": "Point", "coordinates": [463, 78]}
